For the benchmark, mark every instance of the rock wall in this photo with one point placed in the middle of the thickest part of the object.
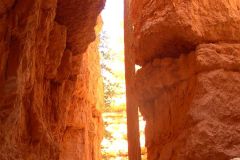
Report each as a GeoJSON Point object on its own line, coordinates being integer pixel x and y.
{"type": "Point", "coordinates": [188, 86]}
{"type": "Point", "coordinates": [50, 84]}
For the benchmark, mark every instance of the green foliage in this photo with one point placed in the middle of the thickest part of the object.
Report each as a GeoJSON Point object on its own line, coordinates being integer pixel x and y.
{"type": "Point", "coordinates": [110, 84]}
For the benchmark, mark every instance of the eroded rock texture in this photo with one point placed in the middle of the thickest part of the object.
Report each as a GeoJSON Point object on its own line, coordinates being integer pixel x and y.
{"type": "Point", "coordinates": [177, 26]}
{"type": "Point", "coordinates": [50, 85]}
{"type": "Point", "coordinates": [189, 82]}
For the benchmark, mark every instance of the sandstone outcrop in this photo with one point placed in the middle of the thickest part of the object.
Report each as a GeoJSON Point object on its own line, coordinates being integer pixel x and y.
{"type": "Point", "coordinates": [170, 28]}
{"type": "Point", "coordinates": [50, 85]}
{"type": "Point", "coordinates": [191, 105]}
{"type": "Point", "coordinates": [188, 86]}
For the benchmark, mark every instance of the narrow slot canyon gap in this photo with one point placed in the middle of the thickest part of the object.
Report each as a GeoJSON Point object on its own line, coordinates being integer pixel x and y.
{"type": "Point", "coordinates": [187, 87]}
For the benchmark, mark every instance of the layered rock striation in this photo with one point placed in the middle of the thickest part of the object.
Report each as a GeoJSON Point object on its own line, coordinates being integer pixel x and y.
{"type": "Point", "coordinates": [50, 84]}
{"type": "Point", "coordinates": [188, 86]}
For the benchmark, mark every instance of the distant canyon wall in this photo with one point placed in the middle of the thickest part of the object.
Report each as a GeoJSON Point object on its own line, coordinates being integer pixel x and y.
{"type": "Point", "coordinates": [188, 86]}
{"type": "Point", "coordinates": [50, 84]}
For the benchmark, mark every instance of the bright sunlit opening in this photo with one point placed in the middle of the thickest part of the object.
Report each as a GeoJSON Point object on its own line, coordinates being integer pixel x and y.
{"type": "Point", "coordinates": [114, 144]}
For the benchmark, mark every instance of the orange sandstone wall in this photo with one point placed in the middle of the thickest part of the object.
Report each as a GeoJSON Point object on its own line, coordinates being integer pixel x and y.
{"type": "Point", "coordinates": [188, 86]}
{"type": "Point", "coordinates": [50, 84]}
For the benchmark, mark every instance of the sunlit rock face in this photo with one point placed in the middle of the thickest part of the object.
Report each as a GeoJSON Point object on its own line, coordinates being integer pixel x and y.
{"type": "Point", "coordinates": [168, 28]}
{"type": "Point", "coordinates": [50, 85]}
{"type": "Point", "coordinates": [189, 83]}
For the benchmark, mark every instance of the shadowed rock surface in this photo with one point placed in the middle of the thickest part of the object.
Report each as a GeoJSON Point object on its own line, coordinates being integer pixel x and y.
{"type": "Point", "coordinates": [187, 89]}
{"type": "Point", "coordinates": [50, 84]}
